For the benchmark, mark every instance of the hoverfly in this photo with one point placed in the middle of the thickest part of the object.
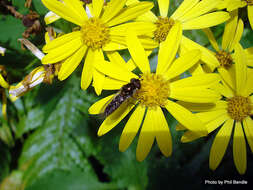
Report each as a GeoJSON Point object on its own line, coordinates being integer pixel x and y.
{"type": "Point", "coordinates": [125, 92]}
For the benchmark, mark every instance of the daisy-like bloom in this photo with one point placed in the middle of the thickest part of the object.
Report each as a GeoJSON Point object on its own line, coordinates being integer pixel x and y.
{"type": "Point", "coordinates": [236, 4]}
{"type": "Point", "coordinates": [195, 14]}
{"type": "Point", "coordinates": [2, 50]}
{"type": "Point", "coordinates": [3, 85]}
{"type": "Point", "coordinates": [103, 31]}
{"type": "Point", "coordinates": [44, 73]}
{"type": "Point", "coordinates": [222, 57]}
{"type": "Point", "coordinates": [158, 90]}
{"type": "Point", "coordinates": [231, 115]}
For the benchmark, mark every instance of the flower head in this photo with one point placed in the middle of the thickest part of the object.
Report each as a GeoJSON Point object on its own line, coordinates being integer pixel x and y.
{"type": "Point", "coordinates": [102, 29]}
{"type": "Point", "coordinates": [158, 90]}
{"type": "Point", "coordinates": [232, 116]}
{"type": "Point", "coordinates": [191, 14]}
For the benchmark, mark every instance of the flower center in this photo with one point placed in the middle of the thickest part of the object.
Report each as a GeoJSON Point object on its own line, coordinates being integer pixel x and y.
{"type": "Point", "coordinates": [249, 2]}
{"type": "Point", "coordinates": [95, 33]}
{"type": "Point", "coordinates": [239, 107]}
{"type": "Point", "coordinates": [154, 90]}
{"type": "Point", "coordinates": [163, 26]}
{"type": "Point", "coordinates": [224, 58]}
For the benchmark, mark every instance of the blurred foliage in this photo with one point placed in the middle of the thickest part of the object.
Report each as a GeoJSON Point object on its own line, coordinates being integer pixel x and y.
{"type": "Point", "coordinates": [51, 140]}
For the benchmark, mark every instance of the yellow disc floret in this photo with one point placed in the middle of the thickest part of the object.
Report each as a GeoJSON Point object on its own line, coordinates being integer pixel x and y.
{"type": "Point", "coordinates": [163, 26]}
{"type": "Point", "coordinates": [154, 90]}
{"type": "Point", "coordinates": [239, 107]}
{"type": "Point", "coordinates": [95, 33]}
{"type": "Point", "coordinates": [224, 58]}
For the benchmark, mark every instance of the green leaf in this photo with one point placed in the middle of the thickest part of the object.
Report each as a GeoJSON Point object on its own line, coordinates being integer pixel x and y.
{"type": "Point", "coordinates": [20, 6]}
{"type": "Point", "coordinates": [52, 146]}
{"type": "Point", "coordinates": [5, 159]}
{"type": "Point", "coordinates": [75, 179]}
{"type": "Point", "coordinates": [12, 30]}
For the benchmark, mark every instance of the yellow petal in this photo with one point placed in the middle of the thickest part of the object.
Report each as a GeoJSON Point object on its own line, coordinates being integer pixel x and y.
{"type": "Point", "coordinates": [183, 63]}
{"type": "Point", "coordinates": [97, 7]}
{"type": "Point", "coordinates": [114, 71]}
{"type": "Point", "coordinates": [51, 17]}
{"type": "Point", "coordinates": [137, 51]}
{"type": "Point", "coordinates": [205, 21]}
{"type": "Point", "coordinates": [141, 28]}
{"type": "Point", "coordinates": [77, 7]}
{"type": "Point", "coordinates": [113, 84]}
{"type": "Point", "coordinates": [189, 136]}
{"type": "Point", "coordinates": [131, 128]}
{"type": "Point", "coordinates": [70, 64]}
{"type": "Point", "coordinates": [98, 77]}
{"type": "Point", "coordinates": [130, 13]}
{"type": "Point", "coordinates": [248, 87]}
{"type": "Point", "coordinates": [229, 31]}
{"type": "Point", "coordinates": [67, 11]}
{"type": "Point", "coordinates": [203, 80]}
{"type": "Point", "coordinates": [239, 149]}
{"type": "Point", "coordinates": [250, 15]}
{"type": "Point", "coordinates": [112, 9]}
{"type": "Point", "coordinates": [201, 8]}
{"type": "Point", "coordinates": [249, 54]}
{"type": "Point", "coordinates": [206, 55]}
{"type": "Point", "coordinates": [62, 40]}
{"type": "Point", "coordinates": [240, 68]}
{"type": "Point", "coordinates": [220, 144]}
{"type": "Point", "coordinates": [168, 48]}
{"type": "Point", "coordinates": [147, 136]}
{"type": "Point", "coordinates": [248, 129]}
{"type": "Point", "coordinates": [186, 118]}
{"type": "Point", "coordinates": [99, 106]}
{"type": "Point", "coordinates": [98, 81]}
{"type": "Point", "coordinates": [194, 94]}
{"type": "Point", "coordinates": [112, 46]}
{"type": "Point", "coordinates": [224, 90]}
{"type": "Point", "coordinates": [218, 121]}
{"type": "Point", "coordinates": [183, 8]}
{"type": "Point", "coordinates": [87, 69]}
{"type": "Point", "coordinates": [213, 114]}
{"type": "Point", "coordinates": [238, 35]}
{"type": "Point", "coordinates": [148, 43]}
{"type": "Point", "coordinates": [162, 131]}
{"type": "Point", "coordinates": [112, 120]}
{"type": "Point", "coordinates": [195, 107]}
{"type": "Point", "coordinates": [227, 77]}
{"type": "Point", "coordinates": [147, 17]}
{"type": "Point", "coordinates": [116, 58]}
{"type": "Point", "coordinates": [3, 83]}
{"type": "Point", "coordinates": [62, 52]}
{"type": "Point", "coordinates": [163, 7]}
{"type": "Point", "coordinates": [235, 4]}
{"type": "Point", "coordinates": [211, 38]}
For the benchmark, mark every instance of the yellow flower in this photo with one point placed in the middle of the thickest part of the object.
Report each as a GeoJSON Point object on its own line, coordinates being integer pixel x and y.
{"type": "Point", "coordinates": [3, 85]}
{"type": "Point", "coordinates": [222, 58]}
{"type": "Point", "coordinates": [195, 14]}
{"type": "Point", "coordinates": [40, 74]}
{"type": "Point", "coordinates": [232, 114]}
{"type": "Point", "coordinates": [158, 90]}
{"type": "Point", "coordinates": [101, 30]}
{"type": "Point", "coordinates": [236, 4]}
